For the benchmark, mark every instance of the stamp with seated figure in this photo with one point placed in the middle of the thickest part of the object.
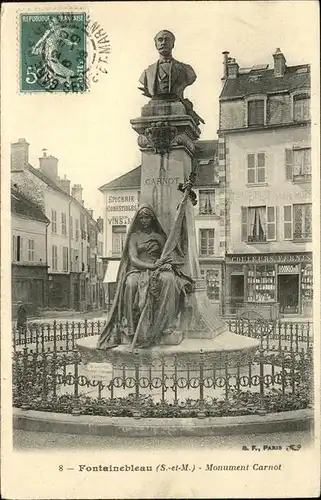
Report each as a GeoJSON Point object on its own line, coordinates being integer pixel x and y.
{"type": "Point", "coordinates": [53, 52]}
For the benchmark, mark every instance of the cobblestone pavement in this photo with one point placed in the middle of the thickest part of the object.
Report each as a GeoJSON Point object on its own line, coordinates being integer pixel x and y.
{"type": "Point", "coordinates": [28, 440]}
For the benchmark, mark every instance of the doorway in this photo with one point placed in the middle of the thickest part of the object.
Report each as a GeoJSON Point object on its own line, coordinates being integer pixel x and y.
{"type": "Point", "coordinates": [288, 293]}
{"type": "Point", "coordinates": [76, 297]}
{"type": "Point", "coordinates": [237, 292]}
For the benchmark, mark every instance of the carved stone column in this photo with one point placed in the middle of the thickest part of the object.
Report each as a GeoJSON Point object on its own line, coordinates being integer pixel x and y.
{"type": "Point", "coordinates": [167, 146]}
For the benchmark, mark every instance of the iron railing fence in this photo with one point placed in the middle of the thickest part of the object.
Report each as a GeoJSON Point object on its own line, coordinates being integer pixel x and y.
{"type": "Point", "coordinates": [55, 381]}
{"type": "Point", "coordinates": [273, 335]}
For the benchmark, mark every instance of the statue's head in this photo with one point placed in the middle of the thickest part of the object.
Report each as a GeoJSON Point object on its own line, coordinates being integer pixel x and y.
{"type": "Point", "coordinates": [164, 42]}
{"type": "Point", "coordinates": [146, 217]}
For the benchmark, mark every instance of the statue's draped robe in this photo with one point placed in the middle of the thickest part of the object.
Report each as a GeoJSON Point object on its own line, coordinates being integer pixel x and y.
{"type": "Point", "coordinates": [147, 303]}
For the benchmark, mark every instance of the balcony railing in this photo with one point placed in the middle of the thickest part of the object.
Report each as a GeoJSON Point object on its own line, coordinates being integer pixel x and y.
{"type": "Point", "coordinates": [305, 235]}
{"type": "Point", "coordinates": [256, 239]}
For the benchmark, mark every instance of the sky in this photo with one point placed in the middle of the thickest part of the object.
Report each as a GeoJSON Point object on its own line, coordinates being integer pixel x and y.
{"type": "Point", "coordinates": [90, 133]}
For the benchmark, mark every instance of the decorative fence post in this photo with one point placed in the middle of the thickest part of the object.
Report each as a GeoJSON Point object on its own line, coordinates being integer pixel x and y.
{"type": "Point", "coordinates": [76, 410]}
{"type": "Point", "coordinates": [201, 412]}
{"type": "Point", "coordinates": [25, 398]}
{"type": "Point", "coordinates": [44, 393]}
{"type": "Point", "coordinates": [175, 381]}
{"type": "Point", "coordinates": [164, 387]}
{"type": "Point", "coordinates": [227, 382]}
{"type": "Point", "coordinates": [55, 336]}
{"type": "Point", "coordinates": [262, 410]}
{"type": "Point", "coordinates": [137, 410]}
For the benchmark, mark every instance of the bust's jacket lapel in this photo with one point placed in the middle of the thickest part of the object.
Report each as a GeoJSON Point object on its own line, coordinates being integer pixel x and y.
{"type": "Point", "coordinates": [152, 78]}
{"type": "Point", "coordinates": [175, 67]}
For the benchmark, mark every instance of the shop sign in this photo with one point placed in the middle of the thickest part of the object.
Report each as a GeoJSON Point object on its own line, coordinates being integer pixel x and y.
{"type": "Point", "coordinates": [274, 258]}
{"type": "Point", "coordinates": [288, 269]}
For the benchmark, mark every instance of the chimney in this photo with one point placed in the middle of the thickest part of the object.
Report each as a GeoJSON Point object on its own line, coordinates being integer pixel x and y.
{"type": "Point", "coordinates": [100, 222]}
{"type": "Point", "coordinates": [279, 63]}
{"type": "Point", "coordinates": [76, 192]}
{"type": "Point", "coordinates": [225, 61]}
{"type": "Point", "coordinates": [19, 155]}
{"type": "Point", "coordinates": [49, 165]}
{"type": "Point", "coordinates": [232, 68]}
{"type": "Point", "coordinates": [64, 184]}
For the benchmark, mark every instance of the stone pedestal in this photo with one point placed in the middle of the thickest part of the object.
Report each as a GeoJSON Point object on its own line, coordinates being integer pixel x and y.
{"type": "Point", "coordinates": [166, 135]}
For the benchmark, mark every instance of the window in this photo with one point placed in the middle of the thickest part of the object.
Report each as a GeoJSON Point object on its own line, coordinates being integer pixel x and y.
{"type": "Point", "coordinates": [65, 258]}
{"type": "Point", "coordinates": [76, 261]}
{"type": "Point", "coordinates": [255, 168]}
{"type": "Point", "coordinates": [83, 227]}
{"type": "Point", "coordinates": [287, 220]}
{"type": "Point", "coordinates": [71, 227]}
{"type": "Point", "coordinates": [17, 248]}
{"type": "Point", "coordinates": [207, 242]}
{"type": "Point", "coordinates": [31, 250]}
{"type": "Point", "coordinates": [255, 112]}
{"type": "Point", "coordinates": [63, 224]}
{"type": "Point", "coordinates": [297, 221]}
{"type": "Point", "coordinates": [298, 164]}
{"type": "Point", "coordinates": [301, 107]}
{"type": "Point", "coordinates": [77, 230]}
{"type": "Point", "coordinates": [118, 239]}
{"type": "Point", "coordinates": [258, 224]}
{"type": "Point", "coordinates": [54, 221]}
{"type": "Point", "coordinates": [261, 283]}
{"type": "Point", "coordinates": [207, 202]}
{"type": "Point", "coordinates": [82, 290]}
{"type": "Point", "coordinates": [302, 218]}
{"type": "Point", "coordinates": [212, 283]}
{"type": "Point", "coordinates": [14, 248]}
{"type": "Point", "coordinates": [54, 263]}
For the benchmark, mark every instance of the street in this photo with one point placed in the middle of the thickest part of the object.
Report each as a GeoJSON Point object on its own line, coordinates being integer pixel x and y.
{"type": "Point", "coordinates": [28, 440]}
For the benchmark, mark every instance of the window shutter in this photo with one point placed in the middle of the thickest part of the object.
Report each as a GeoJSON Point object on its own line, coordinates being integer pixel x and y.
{"type": "Point", "coordinates": [287, 220]}
{"type": "Point", "coordinates": [271, 223]}
{"type": "Point", "coordinates": [261, 167]}
{"type": "Point", "coordinates": [21, 249]}
{"type": "Point", "coordinates": [244, 224]}
{"type": "Point", "coordinates": [14, 248]}
{"type": "Point", "coordinates": [289, 164]}
{"type": "Point", "coordinates": [250, 168]}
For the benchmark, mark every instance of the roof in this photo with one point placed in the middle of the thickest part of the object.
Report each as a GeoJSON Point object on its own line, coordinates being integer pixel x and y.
{"type": "Point", "coordinates": [205, 152]}
{"type": "Point", "coordinates": [21, 205]}
{"type": "Point", "coordinates": [130, 179]}
{"type": "Point", "coordinates": [47, 180]}
{"type": "Point", "coordinates": [206, 149]}
{"type": "Point", "coordinates": [263, 81]}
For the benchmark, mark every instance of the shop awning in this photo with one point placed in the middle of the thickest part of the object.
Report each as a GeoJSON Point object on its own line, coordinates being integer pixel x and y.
{"type": "Point", "coordinates": [111, 271]}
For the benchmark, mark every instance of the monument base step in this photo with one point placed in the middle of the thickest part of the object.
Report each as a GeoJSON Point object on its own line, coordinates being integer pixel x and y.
{"type": "Point", "coordinates": [225, 349]}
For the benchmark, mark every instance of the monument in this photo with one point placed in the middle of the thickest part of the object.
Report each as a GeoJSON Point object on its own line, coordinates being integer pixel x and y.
{"type": "Point", "coordinates": [161, 306]}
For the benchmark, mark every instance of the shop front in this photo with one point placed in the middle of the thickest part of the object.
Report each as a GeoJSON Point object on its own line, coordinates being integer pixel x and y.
{"type": "Point", "coordinates": [274, 285]}
{"type": "Point", "coordinates": [110, 280]}
{"type": "Point", "coordinates": [212, 272]}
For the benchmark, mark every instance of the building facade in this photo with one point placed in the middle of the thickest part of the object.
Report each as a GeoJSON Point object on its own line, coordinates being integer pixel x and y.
{"type": "Point", "coordinates": [29, 254]}
{"type": "Point", "coordinates": [121, 200]}
{"type": "Point", "coordinates": [265, 154]}
{"type": "Point", "coordinates": [72, 234]}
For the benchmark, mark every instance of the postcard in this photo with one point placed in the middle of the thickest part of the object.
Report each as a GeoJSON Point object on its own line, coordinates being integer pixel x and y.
{"type": "Point", "coordinates": [160, 257]}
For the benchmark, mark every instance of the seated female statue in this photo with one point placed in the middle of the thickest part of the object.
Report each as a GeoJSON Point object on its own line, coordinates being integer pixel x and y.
{"type": "Point", "coordinates": [150, 291]}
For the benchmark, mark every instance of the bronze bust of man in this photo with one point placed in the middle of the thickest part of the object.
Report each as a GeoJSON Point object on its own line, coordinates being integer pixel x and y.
{"type": "Point", "coordinates": [167, 78]}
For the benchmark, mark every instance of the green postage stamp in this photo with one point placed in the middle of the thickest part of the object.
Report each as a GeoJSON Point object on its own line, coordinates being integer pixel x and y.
{"type": "Point", "coordinates": [53, 52]}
